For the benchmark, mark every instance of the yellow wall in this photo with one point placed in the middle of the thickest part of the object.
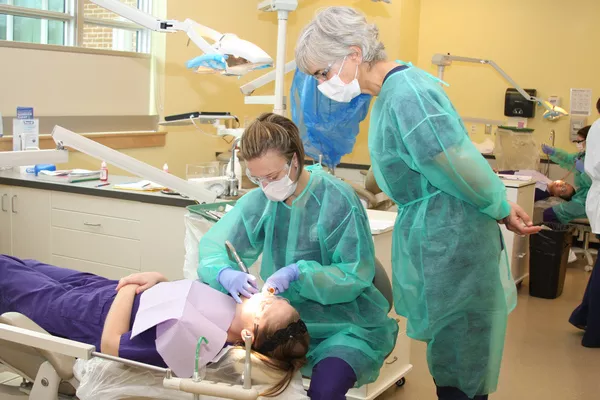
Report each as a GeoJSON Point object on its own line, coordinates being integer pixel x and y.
{"type": "Point", "coordinates": [542, 44]}
{"type": "Point", "coordinates": [185, 91]}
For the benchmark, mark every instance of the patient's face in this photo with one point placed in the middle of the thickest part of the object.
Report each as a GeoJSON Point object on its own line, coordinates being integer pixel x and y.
{"type": "Point", "coordinates": [561, 189]}
{"type": "Point", "coordinates": [268, 310]}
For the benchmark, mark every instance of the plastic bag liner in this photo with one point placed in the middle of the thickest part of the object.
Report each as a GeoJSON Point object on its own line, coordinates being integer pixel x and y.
{"type": "Point", "coordinates": [327, 128]}
{"type": "Point", "coordinates": [516, 149]}
{"type": "Point", "coordinates": [108, 380]}
{"type": "Point", "coordinates": [195, 228]}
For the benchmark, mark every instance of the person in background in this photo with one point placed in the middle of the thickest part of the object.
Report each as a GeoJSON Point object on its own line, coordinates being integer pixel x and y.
{"type": "Point", "coordinates": [317, 251]}
{"type": "Point", "coordinates": [587, 315]}
{"type": "Point", "coordinates": [572, 162]}
{"type": "Point", "coordinates": [544, 186]}
{"type": "Point", "coordinates": [450, 276]}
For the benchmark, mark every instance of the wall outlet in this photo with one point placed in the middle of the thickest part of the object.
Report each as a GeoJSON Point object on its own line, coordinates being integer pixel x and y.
{"type": "Point", "coordinates": [473, 130]}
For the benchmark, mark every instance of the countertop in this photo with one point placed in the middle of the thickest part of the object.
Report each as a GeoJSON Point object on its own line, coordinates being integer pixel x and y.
{"type": "Point", "coordinates": [14, 178]}
{"type": "Point", "coordinates": [517, 184]}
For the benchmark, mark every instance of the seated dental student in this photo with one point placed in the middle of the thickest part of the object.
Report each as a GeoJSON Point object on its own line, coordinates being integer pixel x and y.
{"type": "Point", "coordinates": [317, 251]}
{"type": "Point", "coordinates": [119, 319]}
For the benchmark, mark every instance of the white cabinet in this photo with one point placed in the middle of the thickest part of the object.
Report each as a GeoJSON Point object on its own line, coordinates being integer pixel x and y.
{"type": "Point", "coordinates": [114, 238]}
{"type": "Point", "coordinates": [517, 246]}
{"type": "Point", "coordinates": [30, 209]}
{"type": "Point", "coordinates": [25, 223]}
{"type": "Point", "coordinates": [104, 236]}
{"type": "Point", "coordinates": [5, 221]}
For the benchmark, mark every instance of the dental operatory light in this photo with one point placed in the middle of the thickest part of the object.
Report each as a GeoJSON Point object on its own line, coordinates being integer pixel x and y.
{"type": "Point", "coordinates": [552, 113]}
{"type": "Point", "coordinates": [239, 56]}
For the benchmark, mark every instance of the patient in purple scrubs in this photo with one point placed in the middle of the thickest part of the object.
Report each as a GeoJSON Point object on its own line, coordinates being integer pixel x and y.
{"type": "Point", "coordinates": [98, 311]}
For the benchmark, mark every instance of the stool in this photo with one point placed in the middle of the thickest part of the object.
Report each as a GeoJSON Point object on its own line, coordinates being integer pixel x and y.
{"type": "Point", "coordinates": [585, 230]}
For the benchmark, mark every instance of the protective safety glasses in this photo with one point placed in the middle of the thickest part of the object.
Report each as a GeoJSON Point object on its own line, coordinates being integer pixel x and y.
{"type": "Point", "coordinates": [322, 75]}
{"type": "Point", "coordinates": [257, 180]}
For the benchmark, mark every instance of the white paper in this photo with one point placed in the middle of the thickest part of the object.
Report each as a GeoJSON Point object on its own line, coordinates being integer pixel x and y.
{"type": "Point", "coordinates": [581, 102]}
{"type": "Point", "coordinates": [380, 226]}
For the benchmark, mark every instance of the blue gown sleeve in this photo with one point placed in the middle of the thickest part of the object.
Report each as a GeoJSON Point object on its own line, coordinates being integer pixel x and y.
{"type": "Point", "coordinates": [242, 227]}
{"type": "Point", "coordinates": [437, 146]}
{"type": "Point", "coordinates": [352, 266]}
{"type": "Point", "coordinates": [563, 159]}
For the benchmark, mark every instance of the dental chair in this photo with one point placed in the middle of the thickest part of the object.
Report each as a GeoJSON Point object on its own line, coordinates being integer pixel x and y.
{"type": "Point", "coordinates": [45, 374]}
{"type": "Point", "coordinates": [48, 375]}
{"type": "Point", "coordinates": [584, 229]}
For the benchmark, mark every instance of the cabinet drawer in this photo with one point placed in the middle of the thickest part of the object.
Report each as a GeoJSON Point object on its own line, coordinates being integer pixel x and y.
{"type": "Point", "coordinates": [116, 251]}
{"type": "Point", "coordinates": [99, 224]}
{"type": "Point", "coordinates": [96, 205]}
{"type": "Point", "coordinates": [107, 271]}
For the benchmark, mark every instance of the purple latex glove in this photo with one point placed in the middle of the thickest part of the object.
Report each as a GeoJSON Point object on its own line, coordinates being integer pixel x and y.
{"type": "Point", "coordinates": [237, 282]}
{"type": "Point", "coordinates": [579, 165]}
{"type": "Point", "coordinates": [549, 150]}
{"type": "Point", "coordinates": [280, 280]}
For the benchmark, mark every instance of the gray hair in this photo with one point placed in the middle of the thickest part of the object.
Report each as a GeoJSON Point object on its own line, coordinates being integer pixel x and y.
{"type": "Point", "coordinates": [329, 36]}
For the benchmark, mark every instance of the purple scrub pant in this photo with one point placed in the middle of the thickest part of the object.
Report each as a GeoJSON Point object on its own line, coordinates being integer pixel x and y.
{"type": "Point", "coordinates": [331, 379]}
{"type": "Point", "coordinates": [69, 304]}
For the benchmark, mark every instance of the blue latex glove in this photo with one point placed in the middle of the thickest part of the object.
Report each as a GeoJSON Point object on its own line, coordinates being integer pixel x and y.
{"type": "Point", "coordinates": [549, 150]}
{"type": "Point", "coordinates": [237, 282]}
{"type": "Point", "coordinates": [214, 61]}
{"type": "Point", "coordinates": [579, 165]}
{"type": "Point", "coordinates": [280, 280]}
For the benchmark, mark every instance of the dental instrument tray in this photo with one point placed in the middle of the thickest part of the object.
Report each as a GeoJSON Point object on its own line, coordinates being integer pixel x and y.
{"type": "Point", "coordinates": [212, 212]}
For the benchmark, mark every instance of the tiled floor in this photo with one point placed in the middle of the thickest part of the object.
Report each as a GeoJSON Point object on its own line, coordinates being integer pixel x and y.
{"type": "Point", "coordinates": [543, 357]}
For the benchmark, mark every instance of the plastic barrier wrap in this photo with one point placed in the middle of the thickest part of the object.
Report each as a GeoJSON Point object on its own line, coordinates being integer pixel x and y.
{"type": "Point", "coordinates": [108, 380]}
{"type": "Point", "coordinates": [516, 149]}
{"type": "Point", "coordinates": [195, 227]}
{"type": "Point", "coordinates": [327, 128]}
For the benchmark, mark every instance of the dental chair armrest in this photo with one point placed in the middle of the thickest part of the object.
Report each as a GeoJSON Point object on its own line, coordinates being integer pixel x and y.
{"type": "Point", "coordinates": [59, 352]}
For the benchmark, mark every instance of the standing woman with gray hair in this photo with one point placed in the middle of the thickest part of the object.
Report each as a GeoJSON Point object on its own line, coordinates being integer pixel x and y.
{"type": "Point", "coordinates": [450, 277]}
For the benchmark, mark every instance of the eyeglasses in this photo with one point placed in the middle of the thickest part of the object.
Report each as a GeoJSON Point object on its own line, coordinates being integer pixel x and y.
{"type": "Point", "coordinates": [322, 75]}
{"type": "Point", "coordinates": [257, 180]}
{"type": "Point", "coordinates": [579, 141]}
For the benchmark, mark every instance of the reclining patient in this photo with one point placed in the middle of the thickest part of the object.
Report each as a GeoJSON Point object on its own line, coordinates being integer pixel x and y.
{"type": "Point", "coordinates": [141, 322]}
{"type": "Point", "coordinates": [571, 209]}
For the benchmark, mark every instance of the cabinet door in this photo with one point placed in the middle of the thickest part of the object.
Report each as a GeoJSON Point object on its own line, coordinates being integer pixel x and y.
{"type": "Point", "coordinates": [5, 221]}
{"type": "Point", "coordinates": [162, 237]}
{"type": "Point", "coordinates": [30, 211]}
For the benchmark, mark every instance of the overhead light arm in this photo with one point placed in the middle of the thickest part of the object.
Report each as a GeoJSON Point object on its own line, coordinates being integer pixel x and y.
{"type": "Point", "coordinates": [66, 138]}
{"type": "Point", "coordinates": [444, 60]}
{"type": "Point", "coordinates": [242, 56]}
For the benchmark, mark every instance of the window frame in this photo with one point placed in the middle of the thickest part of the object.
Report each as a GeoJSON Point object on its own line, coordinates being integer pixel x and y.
{"type": "Point", "coordinates": [74, 21]}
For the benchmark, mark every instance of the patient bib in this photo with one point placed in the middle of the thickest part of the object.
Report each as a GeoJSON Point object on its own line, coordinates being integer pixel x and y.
{"type": "Point", "coordinates": [183, 311]}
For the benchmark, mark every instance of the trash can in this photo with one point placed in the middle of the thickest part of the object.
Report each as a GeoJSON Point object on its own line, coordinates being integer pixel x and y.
{"type": "Point", "coordinates": [549, 254]}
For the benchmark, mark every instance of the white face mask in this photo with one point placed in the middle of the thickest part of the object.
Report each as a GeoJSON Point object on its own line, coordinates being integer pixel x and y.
{"type": "Point", "coordinates": [339, 91]}
{"type": "Point", "coordinates": [580, 146]}
{"type": "Point", "coordinates": [280, 190]}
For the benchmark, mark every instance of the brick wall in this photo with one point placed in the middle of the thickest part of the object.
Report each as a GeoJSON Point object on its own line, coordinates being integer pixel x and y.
{"type": "Point", "coordinates": [100, 37]}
